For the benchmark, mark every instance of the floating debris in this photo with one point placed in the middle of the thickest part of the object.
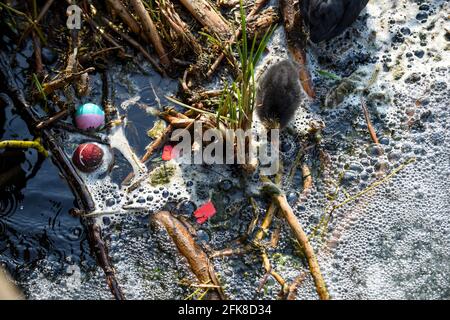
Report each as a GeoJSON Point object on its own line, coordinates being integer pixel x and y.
{"type": "Point", "coordinates": [89, 116]}
{"type": "Point", "coordinates": [88, 157]}
{"type": "Point", "coordinates": [157, 130]}
{"type": "Point", "coordinates": [167, 153]}
{"type": "Point", "coordinates": [204, 212]}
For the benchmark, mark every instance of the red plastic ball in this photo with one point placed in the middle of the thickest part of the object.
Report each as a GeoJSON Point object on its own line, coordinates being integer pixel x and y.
{"type": "Point", "coordinates": [88, 157]}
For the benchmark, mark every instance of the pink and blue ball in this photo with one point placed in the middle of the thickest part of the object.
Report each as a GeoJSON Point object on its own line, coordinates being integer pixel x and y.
{"type": "Point", "coordinates": [89, 116]}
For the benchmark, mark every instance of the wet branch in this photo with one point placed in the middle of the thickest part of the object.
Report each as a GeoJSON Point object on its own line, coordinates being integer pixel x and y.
{"type": "Point", "coordinates": [195, 256]}
{"type": "Point", "coordinates": [208, 16]}
{"type": "Point", "coordinates": [286, 211]}
{"type": "Point", "coordinates": [150, 31]}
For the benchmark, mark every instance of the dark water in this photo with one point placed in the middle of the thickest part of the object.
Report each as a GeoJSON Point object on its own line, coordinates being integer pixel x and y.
{"type": "Point", "coordinates": [35, 223]}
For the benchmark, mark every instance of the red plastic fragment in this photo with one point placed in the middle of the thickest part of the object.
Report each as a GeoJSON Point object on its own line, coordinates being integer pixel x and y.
{"type": "Point", "coordinates": [205, 212]}
{"type": "Point", "coordinates": [167, 152]}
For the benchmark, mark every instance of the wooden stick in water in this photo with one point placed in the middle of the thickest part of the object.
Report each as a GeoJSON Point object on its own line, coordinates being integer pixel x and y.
{"type": "Point", "coordinates": [288, 214]}
{"type": "Point", "coordinates": [302, 238]}
{"type": "Point", "coordinates": [151, 31]}
{"type": "Point", "coordinates": [195, 256]}
{"type": "Point", "coordinates": [51, 86]}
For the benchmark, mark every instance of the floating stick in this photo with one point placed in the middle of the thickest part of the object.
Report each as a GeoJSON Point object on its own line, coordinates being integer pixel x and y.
{"type": "Point", "coordinates": [280, 199]}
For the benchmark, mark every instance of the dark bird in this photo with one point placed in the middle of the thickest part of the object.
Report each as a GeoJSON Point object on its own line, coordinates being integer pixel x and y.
{"type": "Point", "coordinates": [327, 19]}
{"type": "Point", "coordinates": [278, 95]}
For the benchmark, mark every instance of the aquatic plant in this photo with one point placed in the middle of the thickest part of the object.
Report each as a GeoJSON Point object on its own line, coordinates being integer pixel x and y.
{"type": "Point", "coordinates": [239, 98]}
{"type": "Point", "coordinates": [162, 175]}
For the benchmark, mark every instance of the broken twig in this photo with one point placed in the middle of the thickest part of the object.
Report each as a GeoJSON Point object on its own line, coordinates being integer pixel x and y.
{"type": "Point", "coordinates": [373, 134]}
{"type": "Point", "coordinates": [287, 212]}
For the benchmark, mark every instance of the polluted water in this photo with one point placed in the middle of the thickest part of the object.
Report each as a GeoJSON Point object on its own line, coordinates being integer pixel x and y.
{"type": "Point", "coordinates": [377, 214]}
